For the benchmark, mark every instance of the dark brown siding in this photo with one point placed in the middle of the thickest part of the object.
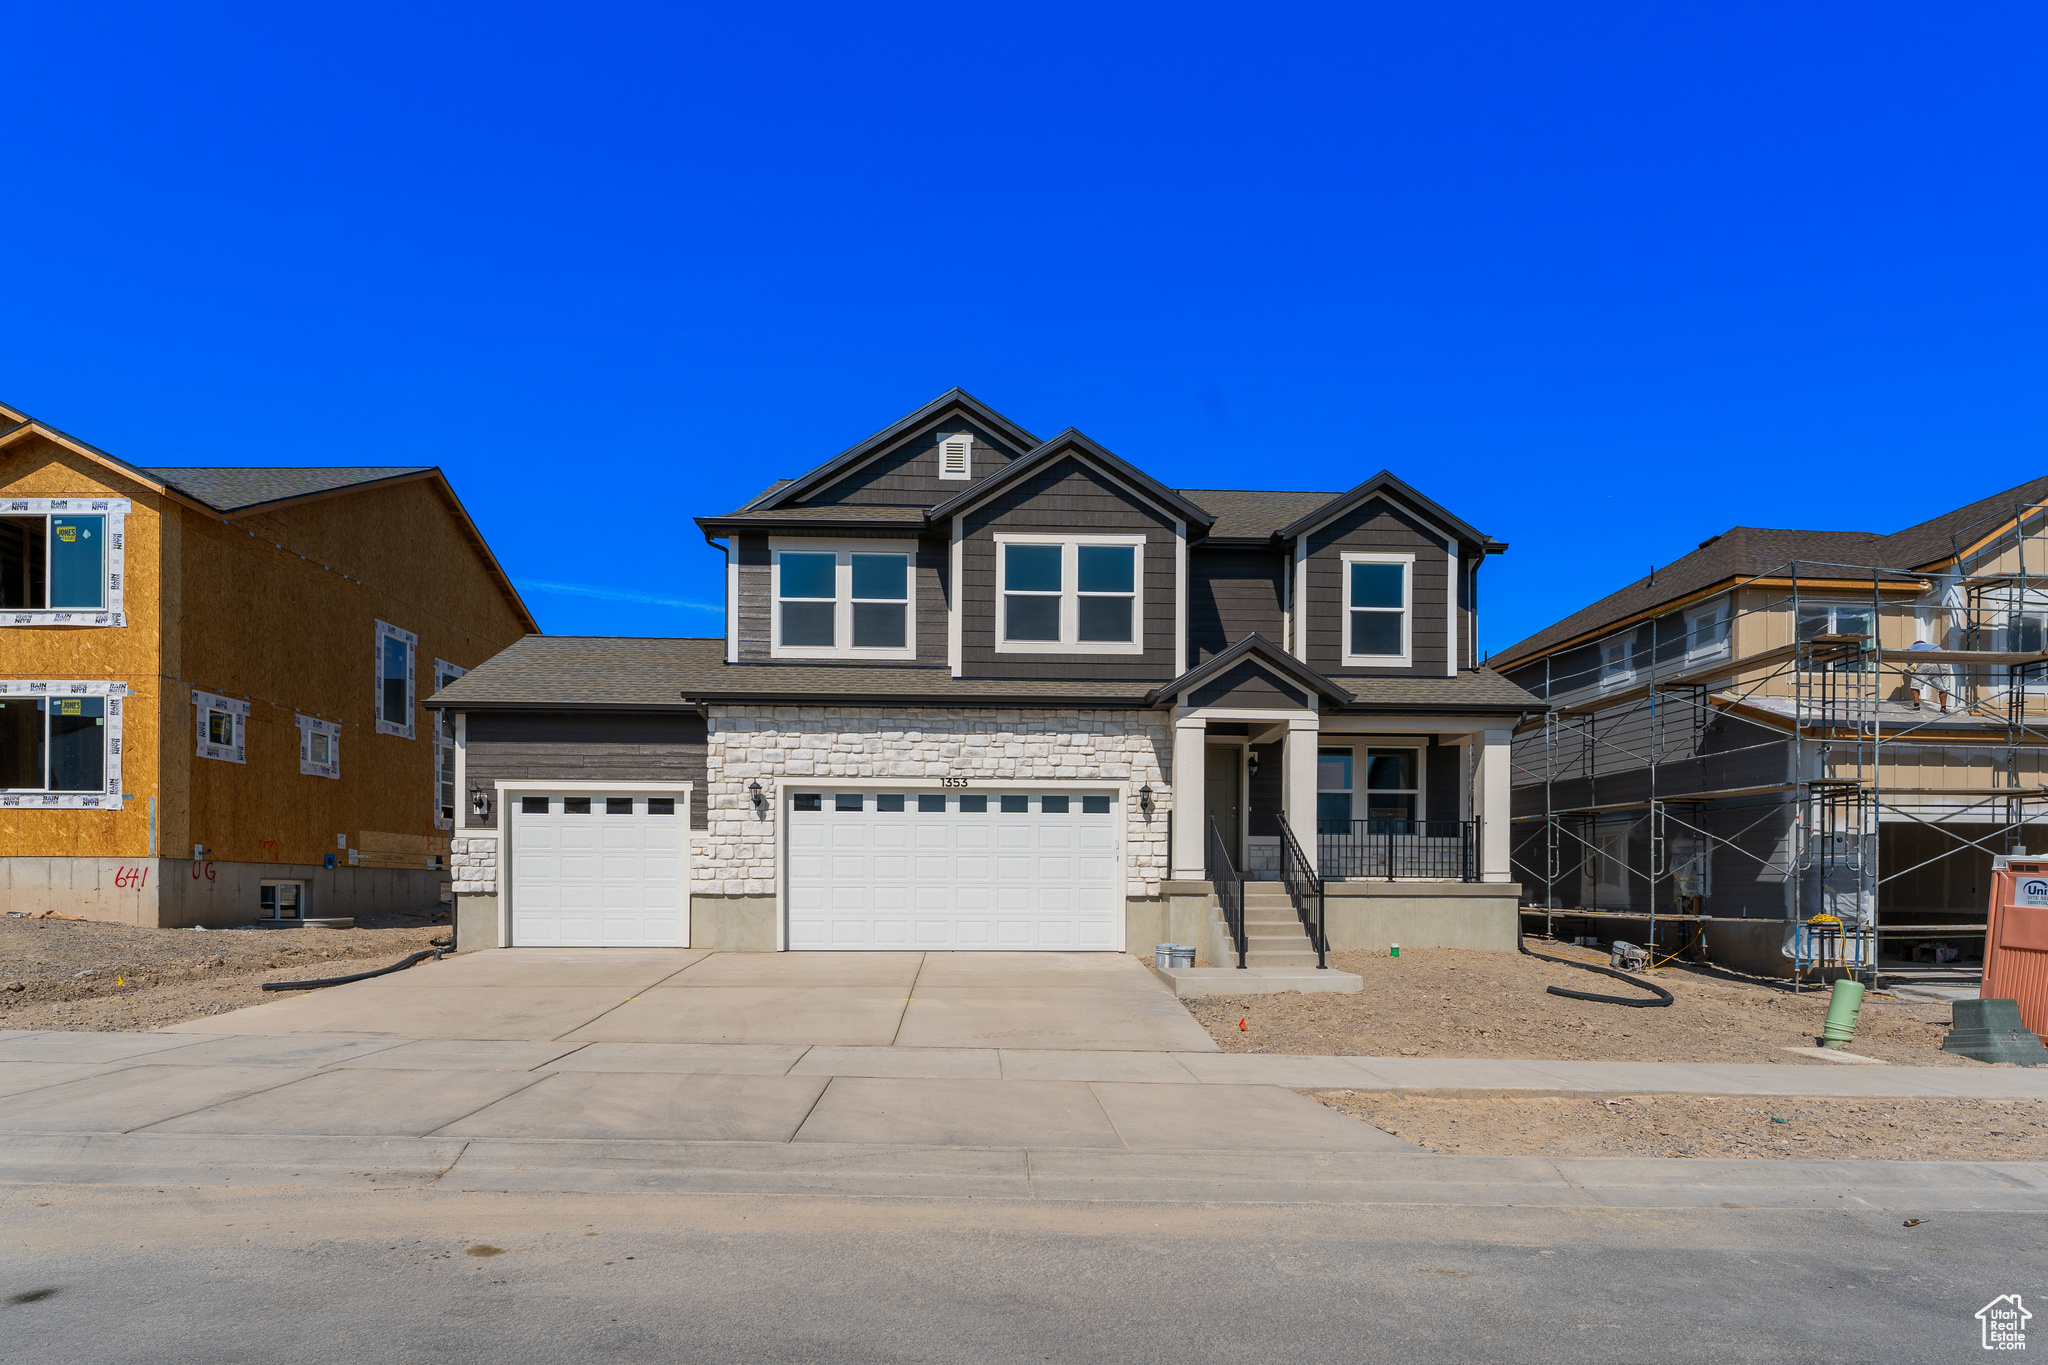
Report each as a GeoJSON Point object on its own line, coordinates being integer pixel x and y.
{"type": "Point", "coordinates": [908, 475]}
{"type": "Point", "coordinates": [1066, 497]}
{"type": "Point", "coordinates": [757, 584]}
{"type": "Point", "coordinates": [1232, 594]}
{"type": "Point", "coordinates": [1444, 776]}
{"type": "Point", "coordinates": [1266, 797]}
{"type": "Point", "coordinates": [1247, 684]}
{"type": "Point", "coordinates": [1375, 525]}
{"type": "Point", "coordinates": [550, 746]}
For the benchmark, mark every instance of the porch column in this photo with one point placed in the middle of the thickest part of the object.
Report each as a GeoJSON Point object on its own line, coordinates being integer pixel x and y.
{"type": "Point", "coordinates": [1490, 803]}
{"type": "Point", "coordinates": [1190, 821]}
{"type": "Point", "coordinates": [1298, 782]}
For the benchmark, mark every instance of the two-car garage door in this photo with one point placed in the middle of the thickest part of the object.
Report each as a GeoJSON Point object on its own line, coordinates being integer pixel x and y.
{"type": "Point", "coordinates": [953, 870]}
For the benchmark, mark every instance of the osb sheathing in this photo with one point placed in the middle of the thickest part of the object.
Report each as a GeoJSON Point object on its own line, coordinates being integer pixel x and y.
{"type": "Point", "coordinates": [278, 608]}
{"type": "Point", "coordinates": [33, 467]}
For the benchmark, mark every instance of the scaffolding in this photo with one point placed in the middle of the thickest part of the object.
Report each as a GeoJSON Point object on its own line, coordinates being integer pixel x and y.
{"type": "Point", "coordinates": [1800, 651]}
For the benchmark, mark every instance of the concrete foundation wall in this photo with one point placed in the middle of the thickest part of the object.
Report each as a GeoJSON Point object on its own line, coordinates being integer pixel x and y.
{"type": "Point", "coordinates": [733, 924]}
{"type": "Point", "coordinates": [174, 893]}
{"type": "Point", "coordinates": [476, 922]}
{"type": "Point", "coordinates": [1374, 916]}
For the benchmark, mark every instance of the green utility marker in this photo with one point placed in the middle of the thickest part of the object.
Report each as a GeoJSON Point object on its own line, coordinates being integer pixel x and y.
{"type": "Point", "coordinates": [1396, 952]}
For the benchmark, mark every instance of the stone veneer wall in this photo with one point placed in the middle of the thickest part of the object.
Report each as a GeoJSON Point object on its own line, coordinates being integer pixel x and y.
{"type": "Point", "coordinates": [748, 743]}
{"type": "Point", "coordinates": [736, 855]}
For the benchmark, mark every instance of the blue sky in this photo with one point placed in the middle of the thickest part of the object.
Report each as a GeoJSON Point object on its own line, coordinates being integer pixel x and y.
{"type": "Point", "coordinates": [1604, 279]}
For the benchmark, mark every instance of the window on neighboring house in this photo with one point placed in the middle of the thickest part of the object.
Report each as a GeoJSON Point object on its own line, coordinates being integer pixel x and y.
{"type": "Point", "coordinates": [1378, 595]}
{"type": "Point", "coordinates": [53, 562]}
{"type": "Point", "coordinates": [1706, 632]}
{"type": "Point", "coordinates": [1606, 868]}
{"type": "Point", "coordinates": [1618, 660]}
{"type": "Point", "coordinates": [223, 725]}
{"type": "Point", "coordinates": [956, 457]}
{"type": "Point", "coordinates": [849, 601]}
{"type": "Point", "coordinates": [53, 744]}
{"type": "Point", "coordinates": [444, 749]}
{"type": "Point", "coordinates": [394, 696]}
{"type": "Point", "coordinates": [1075, 595]}
{"type": "Point", "coordinates": [319, 747]}
{"type": "Point", "coordinates": [1838, 618]}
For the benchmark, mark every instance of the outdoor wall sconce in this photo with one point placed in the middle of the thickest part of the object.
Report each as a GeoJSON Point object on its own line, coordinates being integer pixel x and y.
{"type": "Point", "coordinates": [759, 798]}
{"type": "Point", "coordinates": [480, 803]}
{"type": "Point", "coordinates": [1145, 798]}
{"type": "Point", "coordinates": [1251, 763]}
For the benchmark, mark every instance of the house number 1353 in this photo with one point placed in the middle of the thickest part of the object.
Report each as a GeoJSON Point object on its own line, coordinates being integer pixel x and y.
{"type": "Point", "coordinates": [952, 782]}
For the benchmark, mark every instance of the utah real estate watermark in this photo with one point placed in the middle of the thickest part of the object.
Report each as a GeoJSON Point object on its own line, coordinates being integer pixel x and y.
{"type": "Point", "coordinates": [2004, 1321]}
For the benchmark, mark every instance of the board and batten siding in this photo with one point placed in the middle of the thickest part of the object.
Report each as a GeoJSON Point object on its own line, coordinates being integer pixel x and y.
{"type": "Point", "coordinates": [554, 746]}
{"type": "Point", "coordinates": [1065, 498]}
{"type": "Point", "coordinates": [1232, 594]}
{"type": "Point", "coordinates": [907, 475]}
{"type": "Point", "coordinates": [929, 570]}
{"type": "Point", "coordinates": [1379, 525]}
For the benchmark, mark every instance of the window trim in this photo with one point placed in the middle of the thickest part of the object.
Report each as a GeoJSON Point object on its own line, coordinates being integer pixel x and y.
{"type": "Point", "coordinates": [1717, 610]}
{"type": "Point", "coordinates": [1070, 595]}
{"type": "Point", "coordinates": [409, 730]}
{"type": "Point", "coordinates": [114, 693]}
{"type": "Point", "coordinates": [1361, 749]}
{"type": "Point", "coordinates": [445, 745]}
{"type": "Point", "coordinates": [115, 510]}
{"type": "Point", "coordinates": [203, 702]}
{"type": "Point", "coordinates": [1625, 643]}
{"type": "Point", "coordinates": [308, 726]}
{"type": "Point", "coordinates": [842, 601]}
{"type": "Point", "coordinates": [1406, 657]}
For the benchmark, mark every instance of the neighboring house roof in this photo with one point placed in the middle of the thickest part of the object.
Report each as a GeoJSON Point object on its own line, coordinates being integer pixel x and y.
{"type": "Point", "coordinates": [1939, 538]}
{"type": "Point", "coordinates": [1072, 442]}
{"type": "Point", "coordinates": [232, 488]}
{"type": "Point", "coordinates": [1254, 513]}
{"type": "Point", "coordinates": [952, 400]}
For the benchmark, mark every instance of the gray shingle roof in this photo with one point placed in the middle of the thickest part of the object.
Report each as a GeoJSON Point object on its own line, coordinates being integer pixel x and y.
{"type": "Point", "coordinates": [1937, 538]}
{"type": "Point", "coordinates": [1254, 513]}
{"type": "Point", "coordinates": [546, 671]}
{"type": "Point", "coordinates": [230, 488]}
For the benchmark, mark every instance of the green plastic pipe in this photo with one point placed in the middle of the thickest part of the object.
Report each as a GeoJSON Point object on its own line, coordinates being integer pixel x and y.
{"type": "Point", "coordinates": [1843, 1008]}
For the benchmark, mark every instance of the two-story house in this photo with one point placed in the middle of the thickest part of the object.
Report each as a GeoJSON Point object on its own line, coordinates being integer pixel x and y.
{"type": "Point", "coordinates": [979, 690]}
{"type": "Point", "coordinates": [210, 682]}
{"type": "Point", "coordinates": [1795, 745]}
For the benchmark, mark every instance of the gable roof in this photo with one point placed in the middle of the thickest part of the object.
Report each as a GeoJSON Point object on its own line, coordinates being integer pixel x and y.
{"type": "Point", "coordinates": [1385, 482]}
{"type": "Point", "coordinates": [1072, 442]}
{"type": "Point", "coordinates": [952, 400]}
{"type": "Point", "coordinates": [1939, 538]}
{"type": "Point", "coordinates": [1257, 649]}
{"type": "Point", "coordinates": [236, 488]}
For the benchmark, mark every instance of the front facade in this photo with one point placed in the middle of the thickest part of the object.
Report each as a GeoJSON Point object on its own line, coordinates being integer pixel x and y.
{"type": "Point", "coordinates": [210, 683]}
{"type": "Point", "coordinates": [979, 690]}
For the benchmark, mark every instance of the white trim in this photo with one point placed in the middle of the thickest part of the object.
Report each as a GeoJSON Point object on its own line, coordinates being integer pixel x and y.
{"type": "Point", "coordinates": [308, 727]}
{"type": "Point", "coordinates": [385, 630]}
{"type": "Point", "coordinates": [1719, 607]}
{"type": "Point", "coordinates": [732, 600]}
{"type": "Point", "coordinates": [461, 772]}
{"type": "Point", "coordinates": [1124, 795]}
{"type": "Point", "coordinates": [842, 601]}
{"type": "Point", "coordinates": [233, 707]}
{"type": "Point", "coordinates": [1300, 611]}
{"type": "Point", "coordinates": [55, 688]}
{"type": "Point", "coordinates": [954, 600]}
{"type": "Point", "coordinates": [1625, 643]}
{"type": "Point", "coordinates": [1451, 567]}
{"type": "Point", "coordinates": [503, 886]}
{"type": "Point", "coordinates": [1406, 559]}
{"type": "Point", "coordinates": [442, 668]}
{"type": "Point", "coordinates": [1070, 587]}
{"type": "Point", "coordinates": [1287, 604]}
{"type": "Point", "coordinates": [116, 510]}
{"type": "Point", "coordinates": [1180, 598]}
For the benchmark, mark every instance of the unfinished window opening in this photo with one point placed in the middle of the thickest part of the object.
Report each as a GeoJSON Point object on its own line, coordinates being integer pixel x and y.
{"type": "Point", "coordinates": [60, 561]}
{"type": "Point", "coordinates": [394, 696]}
{"type": "Point", "coordinates": [319, 747]}
{"type": "Point", "coordinates": [60, 744]}
{"type": "Point", "coordinates": [223, 726]}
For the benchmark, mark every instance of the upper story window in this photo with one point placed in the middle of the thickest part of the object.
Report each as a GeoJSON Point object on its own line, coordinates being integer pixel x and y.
{"type": "Point", "coordinates": [60, 561]}
{"type": "Point", "coordinates": [1069, 594]}
{"type": "Point", "coordinates": [319, 747]}
{"type": "Point", "coordinates": [956, 457]}
{"type": "Point", "coordinates": [1706, 632]}
{"type": "Point", "coordinates": [60, 744]}
{"type": "Point", "coordinates": [223, 725]}
{"type": "Point", "coordinates": [1378, 597]}
{"type": "Point", "coordinates": [394, 695]}
{"type": "Point", "coordinates": [1838, 618]}
{"type": "Point", "coordinates": [843, 601]}
{"type": "Point", "coordinates": [1618, 660]}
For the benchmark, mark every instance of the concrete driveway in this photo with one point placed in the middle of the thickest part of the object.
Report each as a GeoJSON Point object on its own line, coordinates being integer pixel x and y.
{"type": "Point", "coordinates": [1052, 1001]}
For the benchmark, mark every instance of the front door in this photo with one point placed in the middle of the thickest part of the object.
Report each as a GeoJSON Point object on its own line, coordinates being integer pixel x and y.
{"type": "Point", "coordinates": [1224, 798]}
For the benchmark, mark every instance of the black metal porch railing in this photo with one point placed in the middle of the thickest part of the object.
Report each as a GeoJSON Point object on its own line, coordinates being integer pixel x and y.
{"type": "Point", "coordinates": [1229, 886]}
{"type": "Point", "coordinates": [1305, 888]}
{"type": "Point", "coordinates": [1431, 850]}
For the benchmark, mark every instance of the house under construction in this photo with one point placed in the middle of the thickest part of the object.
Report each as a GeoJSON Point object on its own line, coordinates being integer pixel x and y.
{"type": "Point", "coordinates": [1795, 749]}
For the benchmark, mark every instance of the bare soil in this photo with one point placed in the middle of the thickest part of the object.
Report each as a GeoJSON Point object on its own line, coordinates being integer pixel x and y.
{"type": "Point", "coordinates": [78, 974]}
{"type": "Point", "coordinates": [1460, 1003]}
{"type": "Point", "coordinates": [1709, 1126]}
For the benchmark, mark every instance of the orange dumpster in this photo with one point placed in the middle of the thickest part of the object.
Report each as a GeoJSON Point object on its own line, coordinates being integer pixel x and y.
{"type": "Point", "coordinates": [2016, 943]}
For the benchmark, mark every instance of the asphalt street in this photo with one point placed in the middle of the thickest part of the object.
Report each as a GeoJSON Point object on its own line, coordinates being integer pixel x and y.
{"type": "Point", "coordinates": [111, 1274]}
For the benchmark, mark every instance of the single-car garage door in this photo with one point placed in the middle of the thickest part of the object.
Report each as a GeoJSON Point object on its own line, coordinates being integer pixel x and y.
{"type": "Point", "coordinates": [880, 869]}
{"type": "Point", "coordinates": [600, 871]}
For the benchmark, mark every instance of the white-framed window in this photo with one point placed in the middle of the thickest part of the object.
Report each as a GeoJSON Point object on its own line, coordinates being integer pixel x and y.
{"type": "Point", "coordinates": [319, 747]}
{"type": "Point", "coordinates": [1706, 632]}
{"type": "Point", "coordinates": [444, 749]}
{"type": "Point", "coordinates": [1070, 594]}
{"type": "Point", "coordinates": [394, 696]}
{"type": "Point", "coordinates": [60, 744]}
{"type": "Point", "coordinates": [844, 600]}
{"type": "Point", "coordinates": [223, 725]}
{"type": "Point", "coordinates": [956, 456]}
{"type": "Point", "coordinates": [1618, 660]}
{"type": "Point", "coordinates": [1379, 591]}
{"type": "Point", "coordinates": [61, 561]}
{"type": "Point", "coordinates": [1838, 618]}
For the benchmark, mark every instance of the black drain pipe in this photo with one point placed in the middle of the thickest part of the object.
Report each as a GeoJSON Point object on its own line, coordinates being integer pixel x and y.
{"type": "Point", "coordinates": [359, 976]}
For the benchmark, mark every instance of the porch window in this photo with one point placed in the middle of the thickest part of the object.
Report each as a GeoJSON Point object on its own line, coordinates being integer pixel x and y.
{"type": "Point", "coordinates": [850, 601]}
{"type": "Point", "coordinates": [1333, 791]}
{"type": "Point", "coordinates": [1377, 596]}
{"type": "Point", "coordinates": [1069, 595]}
{"type": "Point", "coordinates": [1391, 793]}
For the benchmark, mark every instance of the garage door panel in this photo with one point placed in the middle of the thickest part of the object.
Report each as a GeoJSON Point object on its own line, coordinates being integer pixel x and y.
{"type": "Point", "coordinates": [610, 874]}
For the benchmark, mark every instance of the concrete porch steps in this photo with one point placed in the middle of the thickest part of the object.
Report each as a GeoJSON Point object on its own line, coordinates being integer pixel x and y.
{"type": "Point", "coordinates": [1278, 955]}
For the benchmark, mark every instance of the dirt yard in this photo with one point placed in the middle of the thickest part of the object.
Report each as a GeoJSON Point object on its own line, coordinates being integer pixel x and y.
{"type": "Point", "coordinates": [1710, 1126]}
{"type": "Point", "coordinates": [1452, 1003]}
{"type": "Point", "coordinates": [89, 975]}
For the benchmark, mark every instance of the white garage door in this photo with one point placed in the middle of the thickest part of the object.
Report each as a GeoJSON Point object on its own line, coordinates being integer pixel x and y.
{"type": "Point", "coordinates": [598, 871]}
{"type": "Point", "coordinates": [996, 870]}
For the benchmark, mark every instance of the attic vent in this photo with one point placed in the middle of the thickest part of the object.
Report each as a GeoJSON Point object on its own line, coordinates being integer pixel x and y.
{"type": "Point", "coordinates": [955, 454]}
